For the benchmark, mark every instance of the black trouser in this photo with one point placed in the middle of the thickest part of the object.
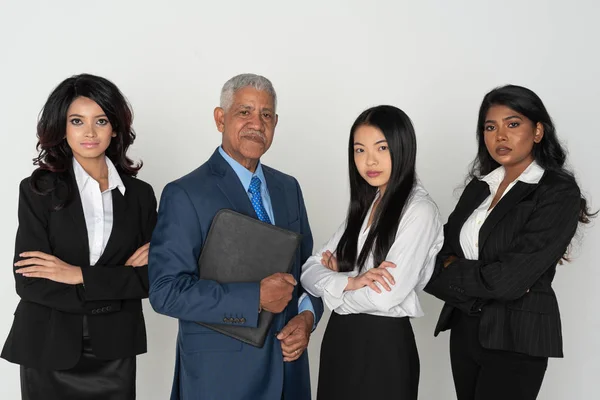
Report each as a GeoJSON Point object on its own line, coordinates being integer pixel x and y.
{"type": "Point", "coordinates": [483, 374]}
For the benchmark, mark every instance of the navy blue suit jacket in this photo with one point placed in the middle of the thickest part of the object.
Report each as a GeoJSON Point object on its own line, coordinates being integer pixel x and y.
{"type": "Point", "coordinates": [210, 365]}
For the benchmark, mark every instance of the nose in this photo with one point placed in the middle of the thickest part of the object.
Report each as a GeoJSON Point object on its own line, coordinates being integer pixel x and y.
{"type": "Point", "coordinates": [91, 131]}
{"type": "Point", "coordinates": [372, 159]}
{"type": "Point", "coordinates": [256, 122]}
{"type": "Point", "coordinates": [501, 135]}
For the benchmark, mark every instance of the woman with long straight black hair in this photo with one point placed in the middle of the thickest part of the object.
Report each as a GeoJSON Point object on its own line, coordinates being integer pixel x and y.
{"type": "Point", "coordinates": [81, 250]}
{"type": "Point", "coordinates": [511, 227]}
{"type": "Point", "coordinates": [369, 272]}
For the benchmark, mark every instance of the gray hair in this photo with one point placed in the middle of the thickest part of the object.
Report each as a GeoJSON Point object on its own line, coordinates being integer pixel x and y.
{"type": "Point", "coordinates": [241, 81]}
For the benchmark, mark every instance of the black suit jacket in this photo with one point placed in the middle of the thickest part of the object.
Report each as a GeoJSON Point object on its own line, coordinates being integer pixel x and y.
{"type": "Point", "coordinates": [510, 286]}
{"type": "Point", "coordinates": [48, 323]}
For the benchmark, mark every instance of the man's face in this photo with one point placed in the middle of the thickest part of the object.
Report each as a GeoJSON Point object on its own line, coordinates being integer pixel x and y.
{"type": "Point", "coordinates": [247, 126]}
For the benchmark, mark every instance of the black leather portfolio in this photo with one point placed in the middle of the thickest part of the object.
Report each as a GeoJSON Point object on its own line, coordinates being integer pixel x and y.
{"type": "Point", "coordinates": [240, 248]}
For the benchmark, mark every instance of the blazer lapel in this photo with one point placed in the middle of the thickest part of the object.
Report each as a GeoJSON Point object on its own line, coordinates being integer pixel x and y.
{"type": "Point", "coordinates": [229, 183]}
{"type": "Point", "coordinates": [510, 199]}
{"type": "Point", "coordinates": [80, 233]}
{"type": "Point", "coordinates": [277, 195]}
{"type": "Point", "coordinates": [119, 227]}
{"type": "Point", "coordinates": [475, 193]}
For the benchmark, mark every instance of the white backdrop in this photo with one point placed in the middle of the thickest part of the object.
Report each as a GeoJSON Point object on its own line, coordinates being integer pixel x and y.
{"type": "Point", "coordinates": [328, 60]}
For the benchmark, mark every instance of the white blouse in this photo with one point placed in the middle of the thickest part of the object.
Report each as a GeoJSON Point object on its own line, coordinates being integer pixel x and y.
{"type": "Point", "coordinates": [469, 234]}
{"type": "Point", "coordinates": [97, 206]}
{"type": "Point", "coordinates": [418, 240]}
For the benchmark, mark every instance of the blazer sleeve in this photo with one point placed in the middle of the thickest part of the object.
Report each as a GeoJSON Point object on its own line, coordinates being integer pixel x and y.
{"type": "Point", "coordinates": [306, 251]}
{"type": "Point", "coordinates": [538, 247]}
{"type": "Point", "coordinates": [175, 288]}
{"type": "Point", "coordinates": [32, 235]}
{"type": "Point", "coordinates": [120, 282]}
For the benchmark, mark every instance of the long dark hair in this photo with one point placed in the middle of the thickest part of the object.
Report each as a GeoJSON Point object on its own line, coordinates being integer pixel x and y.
{"type": "Point", "coordinates": [55, 155]}
{"type": "Point", "coordinates": [548, 153]}
{"type": "Point", "coordinates": [402, 143]}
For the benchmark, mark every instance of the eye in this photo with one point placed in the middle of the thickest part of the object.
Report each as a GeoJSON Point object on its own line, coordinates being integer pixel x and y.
{"type": "Point", "coordinates": [102, 122]}
{"type": "Point", "coordinates": [489, 128]}
{"type": "Point", "coordinates": [76, 121]}
{"type": "Point", "coordinates": [244, 112]}
{"type": "Point", "coordinates": [513, 124]}
{"type": "Point", "coordinates": [267, 115]}
{"type": "Point", "coordinates": [359, 150]}
{"type": "Point", "coordinates": [383, 148]}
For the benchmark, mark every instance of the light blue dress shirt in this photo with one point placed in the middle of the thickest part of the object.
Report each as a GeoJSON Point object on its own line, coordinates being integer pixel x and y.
{"type": "Point", "coordinates": [245, 177]}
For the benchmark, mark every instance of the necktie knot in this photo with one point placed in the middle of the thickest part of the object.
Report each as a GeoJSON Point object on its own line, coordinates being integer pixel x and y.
{"type": "Point", "coordinates": [254, 185]}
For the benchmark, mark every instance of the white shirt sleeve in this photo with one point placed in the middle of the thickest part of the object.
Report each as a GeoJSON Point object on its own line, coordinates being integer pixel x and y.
{"type": "Point", "coordinates": [319, 280]}
{"type": "Point", "coordinates": [418, 240]}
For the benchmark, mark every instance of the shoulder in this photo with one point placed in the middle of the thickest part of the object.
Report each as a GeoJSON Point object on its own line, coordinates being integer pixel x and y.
{"type": "Point", "coordinates": [282, 178]}
{"type": "Point", "coordinates": [559, 181]}
{"type": "Point", "coordinates": [421, 202]}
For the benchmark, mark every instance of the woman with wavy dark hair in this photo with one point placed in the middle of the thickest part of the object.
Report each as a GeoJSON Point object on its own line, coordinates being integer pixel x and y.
{"type": "Point", "coordinates": [511, 227]}
{"type": "Point", "coordinates": [81, 250]}
{"type": "Point", "coordinates": [370, 271]}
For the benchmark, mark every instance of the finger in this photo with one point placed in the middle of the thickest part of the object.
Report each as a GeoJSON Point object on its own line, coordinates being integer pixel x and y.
{"type": "Point", "coordinates": [374, 286]}
{"type": "Point", "coordinates": [385, 273]}
{"type": "Point", "coordinates": [377, 275]}
{"type": "Point", "coordinates": [36, 268]}
{"type": "Point", "coordinates": [292, 352]}
{"type": "Point", "coordinates": [388, 276]}
{"type": "Point", "coordinates": [289, 279]}
{"type": "Point", "coordinates": [141, 259]}
{"type": "Point", "coordinates": [383, 282]}
{"type": "Point", "coordinates": [286, 331]}
{"type": "Point", "coordinates": [295, 340]}
{"type": "Point", "coordinates": [43, 275]}
{"type": "Point", "coordinates": [37, 254]}
{"type": "Point", "coordinates": [387, 264]}
{"type": "Point", "coordinates": [33, 261]}
{"type": "Point", "coordinates": [137, 253]}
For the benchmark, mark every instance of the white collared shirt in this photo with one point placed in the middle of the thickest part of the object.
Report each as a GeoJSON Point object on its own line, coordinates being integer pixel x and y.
{"type": "Point", "coordinates": [469, 234]}
{"type": "Point", "coordinates": [418, 240]}
{"type": "Point", "coordinates": [97, 206]}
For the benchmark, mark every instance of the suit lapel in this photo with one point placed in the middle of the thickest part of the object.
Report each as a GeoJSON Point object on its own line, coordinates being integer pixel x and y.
{"type": "Point", "coordinates": [80, 233]}
{"type": "Point", "coordinates": [229, 183]}
{"type": "Point", "coordinates": [119, 227]}
{"type": "Point", "coordinates": [510, 199]}
{"type": "Point", "coordinates": [475, 193]}
{"type": "Point", "coordinates": [277, 195]}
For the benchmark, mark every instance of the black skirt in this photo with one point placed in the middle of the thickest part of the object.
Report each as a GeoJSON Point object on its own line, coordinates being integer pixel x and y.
{"type": "Point", "coordinates": [368, 357]}
{"type": "Point", "coordinates": [90, 379]}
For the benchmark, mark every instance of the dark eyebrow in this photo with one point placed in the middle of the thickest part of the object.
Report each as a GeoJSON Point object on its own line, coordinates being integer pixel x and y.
{"type": "Point", "coordinates": [81, 116]}
{"type": "Point", "coordinates": [267, 109]}
{"type": "Point", "coordinates": [511, 117]}
{"type": "Point", "coordinates": [358, 144]}
{"type": "Point", "coordinates": [381, 141]}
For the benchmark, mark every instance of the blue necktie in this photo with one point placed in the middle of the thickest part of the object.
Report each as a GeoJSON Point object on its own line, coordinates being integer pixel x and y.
{"type": "Point", "coordinates": [257, 202]}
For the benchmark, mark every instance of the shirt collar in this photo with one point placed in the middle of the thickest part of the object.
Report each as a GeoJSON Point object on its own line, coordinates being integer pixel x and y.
{"type": "Point", "coordinates": [532, 175]}
{"type": "Point", "coordinates": [242, 172]}
{"type": "Point", "coordinates": [82, 177]}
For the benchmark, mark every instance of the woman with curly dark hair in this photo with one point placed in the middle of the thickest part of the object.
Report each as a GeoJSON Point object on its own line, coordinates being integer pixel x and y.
{"type": "Point", "coordinates": [81, 250]}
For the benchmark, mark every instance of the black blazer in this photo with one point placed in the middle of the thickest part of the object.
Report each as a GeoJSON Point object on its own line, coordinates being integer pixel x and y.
{"type": "Point", "coordinates": [48, 323]}
{"type": "Point", "coordinates": [510, 286]}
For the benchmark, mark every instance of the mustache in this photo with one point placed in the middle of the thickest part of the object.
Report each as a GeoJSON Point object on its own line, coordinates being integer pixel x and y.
{"type": "Point", "coordinates": [254, 135]}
